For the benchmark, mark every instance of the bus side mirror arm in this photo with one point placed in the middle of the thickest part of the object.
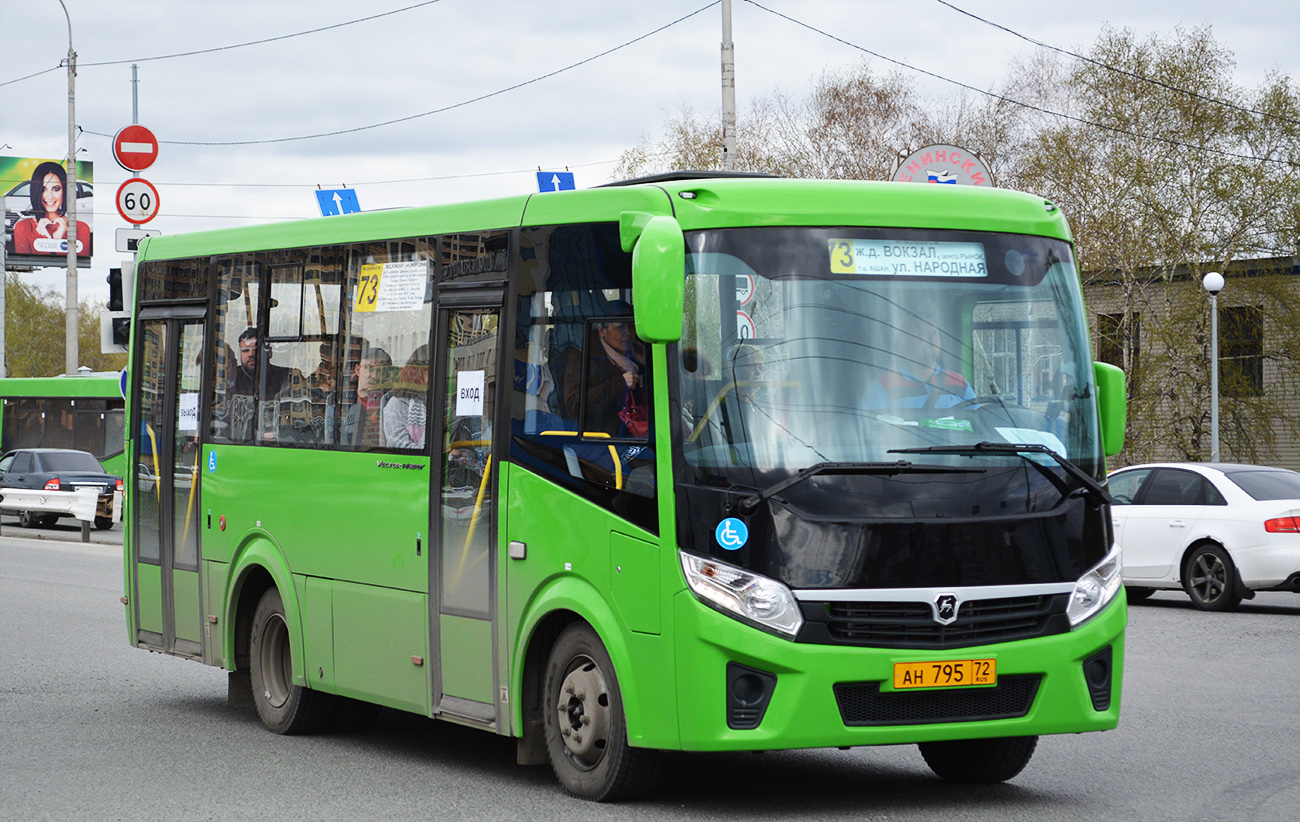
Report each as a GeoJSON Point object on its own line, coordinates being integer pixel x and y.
{"type": "Point", "coordinates": [1112, 406]}
{"type": "Point", "coordinates": [658, 274]}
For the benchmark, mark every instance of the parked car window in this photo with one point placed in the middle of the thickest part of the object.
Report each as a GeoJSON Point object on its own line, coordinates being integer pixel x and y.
{"type": "Point", "coordinates": [5, 463]}
{"type": "Point", "coordinates": [1267, 485]}
{"type": "Point", "coordinates": [71, 461]}
{"type": "Point", "coordinates": [1173, 487]}
{"type": "Point", "coordinates": [22, 463]}
{"type": "Point", "coordinates": [1124, 486]}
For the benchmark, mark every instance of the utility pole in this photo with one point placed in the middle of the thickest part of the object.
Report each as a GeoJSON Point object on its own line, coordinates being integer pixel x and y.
{"type": "Point", "coordinates": [4, 285]}
{"type": "Point", "coordinates": [72, 308]}
{"type": "Point", "coordinates": [728, 91]}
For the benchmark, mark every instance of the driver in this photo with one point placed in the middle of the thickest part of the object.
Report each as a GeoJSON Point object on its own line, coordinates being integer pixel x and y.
{"type": "Point", "coordinates": [919, 380]}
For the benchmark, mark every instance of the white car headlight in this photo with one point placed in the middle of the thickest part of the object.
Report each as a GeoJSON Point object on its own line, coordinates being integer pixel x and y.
{"type": "Point", "coordinates": [751, 597]}
{"type": "Point", "coordinates": [1096, 589]}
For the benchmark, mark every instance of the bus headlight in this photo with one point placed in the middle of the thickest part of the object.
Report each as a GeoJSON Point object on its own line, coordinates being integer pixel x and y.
{"type": "Point", "coordinates": [1096, 589]}
{"type": "Point", "coordinates": [751, 597]}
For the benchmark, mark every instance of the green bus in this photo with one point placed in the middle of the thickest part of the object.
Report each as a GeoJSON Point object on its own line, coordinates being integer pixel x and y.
{"type": "Point", "coordinates": [84, 412]}
{"type": "Point", "coordinates": [698, 462]}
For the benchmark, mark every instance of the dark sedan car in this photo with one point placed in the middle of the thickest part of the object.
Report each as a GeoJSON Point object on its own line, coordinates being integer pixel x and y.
{"type": "Point", "coordinates": [58, 469]}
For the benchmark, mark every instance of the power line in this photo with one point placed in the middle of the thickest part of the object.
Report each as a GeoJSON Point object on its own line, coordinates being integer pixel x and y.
{"type": "Point", "coordinates": [267, 40]}
{"type": "Point", "coordinates": [1015, 102]}
{"type": "Point", "coordinates": [30, 76]}
{"type": "Point", "coordinates": [233, 46]}
{"type": "Point", "coordinates": [439, 178]}
{"type": "Point", "coordinates": [447, 108]}
{"type": "Point", "coordinates": [1116, 69]}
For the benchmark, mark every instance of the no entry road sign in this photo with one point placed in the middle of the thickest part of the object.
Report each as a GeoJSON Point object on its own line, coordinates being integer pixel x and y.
{"type": "Point", "coordinates": [135, 148]}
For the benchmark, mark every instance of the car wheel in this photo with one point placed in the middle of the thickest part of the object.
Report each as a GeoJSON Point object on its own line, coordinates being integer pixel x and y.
{"type": "Point", "coordinates": [29, 520]}
{"type": "Point", "coordinates": [283, 707]}
{"type": "Point", "coordinates": [103, 523]}
{"type": "Point", "coordinates": [1136, 594]}
{"type": "Point", "coordinates": [1209, 578]}
{"type": "Point", "coordinates": [585, 730]}
{"type": "Point", "coordinates": [979, 760]}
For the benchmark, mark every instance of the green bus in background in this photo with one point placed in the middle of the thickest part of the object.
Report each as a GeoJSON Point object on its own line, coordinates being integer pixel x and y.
{"type": "Point", "coordinates": [84, 412]}
{"type": "Point", "coordinates": [689, 463]}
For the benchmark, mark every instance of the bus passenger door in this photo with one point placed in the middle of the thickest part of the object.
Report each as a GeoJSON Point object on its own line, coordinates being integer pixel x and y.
{"type": "Point", "coordinates": [464, 514]}
{"type": "Point", "coordinates": [164, 491]}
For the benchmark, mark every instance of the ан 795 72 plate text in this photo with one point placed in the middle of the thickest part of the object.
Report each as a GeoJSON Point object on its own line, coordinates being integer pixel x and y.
{"type": "Point", "coordinates": [953, 673]}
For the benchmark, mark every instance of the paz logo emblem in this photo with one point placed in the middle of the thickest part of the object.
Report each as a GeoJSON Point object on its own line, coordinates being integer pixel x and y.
{"type": "Point", "coordinates": [945, 609]}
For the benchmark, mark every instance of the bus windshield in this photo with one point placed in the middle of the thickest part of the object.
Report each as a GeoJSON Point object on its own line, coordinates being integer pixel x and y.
{"type": "Point", "coordinates": [835, 345]}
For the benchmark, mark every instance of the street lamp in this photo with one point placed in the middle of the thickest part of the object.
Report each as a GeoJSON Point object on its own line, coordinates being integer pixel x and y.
{"type": "Point", "coordinates": [1213, 283]}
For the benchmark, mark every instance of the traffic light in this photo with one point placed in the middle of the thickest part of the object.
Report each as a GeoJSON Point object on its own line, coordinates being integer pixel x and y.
{"type": "Point", "coordinates": [115, 291]}
{"type": "Point", "coordinates": [121, 330]}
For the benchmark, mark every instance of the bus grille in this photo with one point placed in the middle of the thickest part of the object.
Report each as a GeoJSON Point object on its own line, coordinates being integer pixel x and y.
{"type": "Point", "coordinates": [912, 625]}
{"type": "Point", "coordinates": [863, 703]}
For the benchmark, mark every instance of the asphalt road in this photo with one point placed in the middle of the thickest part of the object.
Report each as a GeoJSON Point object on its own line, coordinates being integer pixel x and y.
{"type": "Point", "coordinates": [91, 728]}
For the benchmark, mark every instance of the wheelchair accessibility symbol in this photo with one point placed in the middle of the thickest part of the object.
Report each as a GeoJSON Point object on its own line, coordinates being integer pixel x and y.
{"type": "Point", "coordinates": [731, 534]}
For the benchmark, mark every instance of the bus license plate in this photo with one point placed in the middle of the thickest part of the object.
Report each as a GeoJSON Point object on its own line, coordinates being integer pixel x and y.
{"type": "Point", "coordinates": [954, 673]}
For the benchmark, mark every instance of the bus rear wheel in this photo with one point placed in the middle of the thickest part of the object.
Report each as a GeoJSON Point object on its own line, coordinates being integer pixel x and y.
{"type": "Point", "coordinates": [283, 707]}
{"type": "Point", "coordinates": [585, 729]}
{"type": "Point", "coordinates": [979, 760]}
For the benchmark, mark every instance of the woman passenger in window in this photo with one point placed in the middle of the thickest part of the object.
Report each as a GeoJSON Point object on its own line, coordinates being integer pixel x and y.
{"type": "Point", "coordinates": [615, 394]}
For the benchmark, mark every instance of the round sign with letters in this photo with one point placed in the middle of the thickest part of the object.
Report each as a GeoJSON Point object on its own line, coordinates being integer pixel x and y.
{"type": "Point", "coordinates": [135, 148]}
{"type": "Point", "coordinates": [137, 201]}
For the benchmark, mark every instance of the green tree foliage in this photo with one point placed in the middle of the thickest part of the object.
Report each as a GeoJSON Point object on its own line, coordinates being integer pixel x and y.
{"type": "Point", "coordinates": [35, 333]}
{"type": "Point", "coordinates": [1165, 169]}
{"type": "Point", "coordinates": [1171, 171]}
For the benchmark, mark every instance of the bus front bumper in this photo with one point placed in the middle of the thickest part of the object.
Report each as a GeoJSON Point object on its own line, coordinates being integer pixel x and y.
{"type": "Point", "coordinates": [840, 696]}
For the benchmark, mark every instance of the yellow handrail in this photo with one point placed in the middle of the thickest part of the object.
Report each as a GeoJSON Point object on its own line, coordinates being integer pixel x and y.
{"type": "Point", "coordinates": [473, 522]}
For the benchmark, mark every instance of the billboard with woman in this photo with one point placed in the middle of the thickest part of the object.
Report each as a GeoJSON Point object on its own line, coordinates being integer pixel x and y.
{"type": "Point", "coordinates": [36, 201]}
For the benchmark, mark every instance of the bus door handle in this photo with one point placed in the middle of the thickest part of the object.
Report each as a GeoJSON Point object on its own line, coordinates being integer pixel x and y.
{"type": "Point", "coordinates": [1177, 523]}
{"type": "Point", "coordinates": [518, 550]}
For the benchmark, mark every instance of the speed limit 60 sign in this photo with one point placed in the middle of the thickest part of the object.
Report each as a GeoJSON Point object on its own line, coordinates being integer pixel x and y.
{"type": "Point", "coordinates": [137, 201]}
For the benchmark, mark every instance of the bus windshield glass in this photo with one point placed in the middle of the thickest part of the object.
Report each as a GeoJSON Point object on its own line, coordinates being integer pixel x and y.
{"type": "Point", "coordinates": [848, 345]}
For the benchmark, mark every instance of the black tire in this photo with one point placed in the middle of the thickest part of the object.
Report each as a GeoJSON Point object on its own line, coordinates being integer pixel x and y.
{"type": "Point", "coordinates": [29, 520]}
{"type": "Point", "coordinates": [1137, 594]}
{"type": "Point", "coordinates": [584, 725]}
{"type": "Point", "coordinates": [1210, 578]}
{"type": "Point", "coordinates": [979, 760]}
{"type": "Point", "coordinates": [283, 707]}
{"type": "Point", "coordinates": [103, 523]}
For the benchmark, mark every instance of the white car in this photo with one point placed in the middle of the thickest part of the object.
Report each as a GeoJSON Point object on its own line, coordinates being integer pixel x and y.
{"type": "Point", "coordinates": [1219, 531]}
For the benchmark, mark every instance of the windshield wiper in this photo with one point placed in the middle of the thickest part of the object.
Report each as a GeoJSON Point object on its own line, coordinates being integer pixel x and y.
{"type": "Point", "coordinates": [750, 503]}
{"type": "Point", "coordinates": [1095, 491]}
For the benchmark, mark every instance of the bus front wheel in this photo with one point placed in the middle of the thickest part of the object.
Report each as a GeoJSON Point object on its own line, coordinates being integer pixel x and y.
{"type": "Point", "coordinates": [979, 760]}
{"type": "Point", "coordinates": [283, 707]}
{"type": "Point", "coordinates": [586, 734]}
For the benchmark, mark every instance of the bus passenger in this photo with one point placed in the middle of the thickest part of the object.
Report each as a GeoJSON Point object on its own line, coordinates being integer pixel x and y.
{"type": "Point", "coordinates": [244, 394]}
{"type": "Point", "coordinates": [406, 413]}
{"type": "Point", "coordinates": [614, 396]}
{"type": "Point", "coordinates": [363, 423]}
{"type": "Point", "coordinates": [274, 378]}
{"type": "Point", "coordinates": [919, 379]}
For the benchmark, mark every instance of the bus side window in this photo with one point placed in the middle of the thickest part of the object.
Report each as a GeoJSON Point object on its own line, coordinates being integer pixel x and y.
{"type": "Point", "coordinates": [571, 371]}
{"type": "Point", "coordinates": [381, 399]}
{"type": "Point", "coordinates": [238, 307]}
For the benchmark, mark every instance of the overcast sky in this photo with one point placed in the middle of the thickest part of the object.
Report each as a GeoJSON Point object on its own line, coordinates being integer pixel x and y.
{"type": "Point", "coordinates": [445, 55]}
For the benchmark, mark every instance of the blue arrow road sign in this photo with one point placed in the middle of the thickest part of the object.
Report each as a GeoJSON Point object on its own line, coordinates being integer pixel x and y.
{"type": "Point", "coordinates": [337, 201]}
{"type": "Point", "coordinates": [555, 181]}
